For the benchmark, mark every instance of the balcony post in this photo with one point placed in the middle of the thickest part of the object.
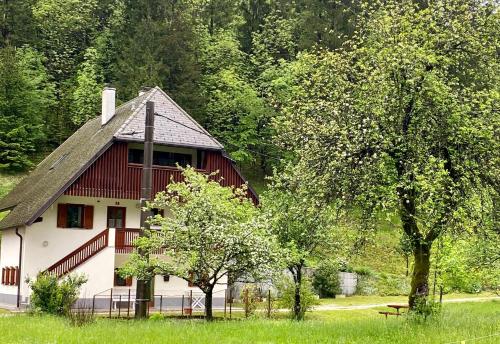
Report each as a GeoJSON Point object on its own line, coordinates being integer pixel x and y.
{"type": "Point", "coordinates": [112, 237]}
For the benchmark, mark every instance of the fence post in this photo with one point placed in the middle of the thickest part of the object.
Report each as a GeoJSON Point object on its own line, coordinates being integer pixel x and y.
{"type": "Point", "coordinates": [161, 302]}
{"type": "Point", "coordinates": [190, 303]}
{"type": "Point", "coordinates": [128, 304]}
{"type": "Point", "coordinates": [246, 303]}
{"type": "Point", "coordinates": [230, 303]}
{"type": "Point", "coordinates": [182, 307]}
{"type": "Point", "coordinates": [269, 303]}
{"type": "Point", "coordinates": [110, 301]}
{"type": "Point", "coordinates": [119, 306]}
{"type": "Point", "coordinates": [93, 304]}
{"type": "Point", "coordinates": [225, 303]}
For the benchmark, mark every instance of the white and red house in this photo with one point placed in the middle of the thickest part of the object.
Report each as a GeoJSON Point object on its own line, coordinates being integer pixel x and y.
{"type": "Point", "coordinates": [79, 210]}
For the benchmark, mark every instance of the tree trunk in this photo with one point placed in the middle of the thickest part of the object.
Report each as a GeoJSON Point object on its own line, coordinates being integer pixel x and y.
{"type": "Point", "coordinates": [420, 276]}
{"type": "Point", "coordinates": [297, 308]}
{"type": "Point", "coordinates": [208, 304]}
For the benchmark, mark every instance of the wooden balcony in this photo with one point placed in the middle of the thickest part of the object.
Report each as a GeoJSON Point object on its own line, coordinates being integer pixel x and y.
{"type": "Point", "coordinates": [124, 240]}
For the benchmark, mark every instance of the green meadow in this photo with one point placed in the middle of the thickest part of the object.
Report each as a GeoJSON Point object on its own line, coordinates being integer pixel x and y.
{"type": "Point", "coordinates": [477, 322]}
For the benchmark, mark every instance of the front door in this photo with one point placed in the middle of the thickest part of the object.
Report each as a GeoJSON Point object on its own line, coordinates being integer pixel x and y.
{"type": "Point", "coordinates": [116, 217]}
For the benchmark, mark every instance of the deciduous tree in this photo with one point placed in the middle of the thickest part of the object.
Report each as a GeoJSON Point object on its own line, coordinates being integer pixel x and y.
{"type": "Point", "coordinates": [405, 119]}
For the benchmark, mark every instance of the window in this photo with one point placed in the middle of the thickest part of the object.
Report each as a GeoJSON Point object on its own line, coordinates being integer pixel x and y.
{"type": "Point", "coordinates": [156, 211]}
{"type": "Point", "coordinates": [166, 278]}
{"type": "Point", "coordinates": [75, 216]}
{"type": "Point", "coordinates": [116, 217]}
{"type": "Point", "coordinates": [136, 156]}
{"type": "Point", "coordinates": [122, 282]}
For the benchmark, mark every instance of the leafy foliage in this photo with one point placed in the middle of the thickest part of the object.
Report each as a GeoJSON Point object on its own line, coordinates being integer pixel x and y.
{"type": "Point", "coordinates": [287, 299]}
{"type": "Point", "coordinates": [326, 279]}
{"type": "Point", "coordinates": [211, 233]}
{"type": "Point", "coordinates": [52, 296]}
{"type": "Point", "coordinates": [401, 120]}
{"type": "Point", "coordinates": [26, 98]}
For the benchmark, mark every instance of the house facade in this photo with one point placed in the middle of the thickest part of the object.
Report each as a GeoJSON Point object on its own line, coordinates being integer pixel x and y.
{"type": "Point", "coordinates": [79, 210]}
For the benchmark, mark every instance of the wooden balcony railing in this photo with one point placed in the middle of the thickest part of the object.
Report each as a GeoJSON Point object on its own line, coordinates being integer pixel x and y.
{"type": "Point", "coordinates": [80, 255]}
{"type": "Point", "coordinates": [124, 239]}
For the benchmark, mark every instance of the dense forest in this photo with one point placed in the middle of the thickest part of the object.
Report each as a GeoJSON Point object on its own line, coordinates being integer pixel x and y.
{"type": "Point", "coordinates": [222, 60]}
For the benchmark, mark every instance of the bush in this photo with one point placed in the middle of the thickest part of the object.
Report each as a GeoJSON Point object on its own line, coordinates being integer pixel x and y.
{"type": "Point", "coordinates": [156, 316]}
{"type": "Point", "coordinates": [286, 291]}
{"type": "Point", "coordinates": [382, 284]}
{"type": "Point", "coordinates": [54, 296]}
{"type": "Point", "coordinates": [424, 309]}
{"type": "Point", "coordinates": [250, 297]}
{"type": "Point", "coordinates": [326, 280]}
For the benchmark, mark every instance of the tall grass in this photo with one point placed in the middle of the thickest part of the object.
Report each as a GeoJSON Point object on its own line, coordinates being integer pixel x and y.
{"type": "Point", "coordinates": [458, 322]}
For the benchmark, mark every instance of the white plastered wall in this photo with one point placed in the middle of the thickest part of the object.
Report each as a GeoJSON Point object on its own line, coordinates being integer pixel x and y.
{"type": "Point", "coordinates": [9, 256]}
{"type": "Point", "coordinates": [46, 243]}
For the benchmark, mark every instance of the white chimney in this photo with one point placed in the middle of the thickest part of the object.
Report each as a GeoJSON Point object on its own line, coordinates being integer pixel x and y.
{"type": "Point", "coordinates": [108, 104]}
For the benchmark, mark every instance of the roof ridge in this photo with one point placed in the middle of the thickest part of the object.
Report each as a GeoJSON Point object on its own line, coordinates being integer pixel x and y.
{"type": "Point", "coordinates": [141, 105]}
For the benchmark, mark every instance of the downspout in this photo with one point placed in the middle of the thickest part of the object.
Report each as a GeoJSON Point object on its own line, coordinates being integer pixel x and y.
{"type": "Point", "coordinates": [19, 269]}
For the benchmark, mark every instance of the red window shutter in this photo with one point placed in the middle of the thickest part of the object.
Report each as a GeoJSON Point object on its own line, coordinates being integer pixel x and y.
{"type": "Point", "coordinates": [11, 275]}
{"type": "Point", "coordinates": [3, 275]}
{"type": "Point", "coordinates": [88, 216]}
{"type": "Point", "coordinates": [16, 273]}
{"type": "Point", "coordinates": [62, 215]}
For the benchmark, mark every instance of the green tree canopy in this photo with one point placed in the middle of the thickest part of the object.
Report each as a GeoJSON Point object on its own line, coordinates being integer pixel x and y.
{"type": "Point", "coordinates": [210, 233]}
{"type": "Point", "coordinates": [405, 119]}
{"type": "Point", "coordinates": [26, 98]}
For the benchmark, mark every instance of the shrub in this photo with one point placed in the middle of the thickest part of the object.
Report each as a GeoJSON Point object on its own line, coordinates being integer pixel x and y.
{"type": "Point", "coordinates": [424, 309]}
{"type": "Point", "coordinates": [326, 280]}
{"type": "Point", "coordinates": [54, 296]}
{"type": "Point", "coordinates": [364, 271]}
{"type": "Point", "coordinates": [156, 316]}
{"type": "Point", "coordinates": [382, 284]}
{"type": "Point", "coordinates": [308, 298]}
{"type": "Point", "coordinates": [250, 297]}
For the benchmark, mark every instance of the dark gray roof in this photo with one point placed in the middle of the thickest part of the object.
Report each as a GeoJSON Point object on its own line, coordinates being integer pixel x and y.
{"type": "Point", "coordinates": [173, 126]}
{"type": "Point", "coordinates": [36, 192]}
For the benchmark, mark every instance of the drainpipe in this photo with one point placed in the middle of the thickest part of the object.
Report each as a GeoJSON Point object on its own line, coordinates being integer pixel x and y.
{"type": "Point", "coordinates": [19, 269]}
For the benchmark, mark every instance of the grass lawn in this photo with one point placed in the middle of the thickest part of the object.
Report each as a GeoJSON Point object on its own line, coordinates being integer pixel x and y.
{"type": "Point", "coordinates": [375, 299]}
{"type": "Point", "coordinates": [458, 322]}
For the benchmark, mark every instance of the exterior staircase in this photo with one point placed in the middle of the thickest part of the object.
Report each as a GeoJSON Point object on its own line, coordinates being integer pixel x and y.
{"type": "Point", "coordinates": [80, 255]}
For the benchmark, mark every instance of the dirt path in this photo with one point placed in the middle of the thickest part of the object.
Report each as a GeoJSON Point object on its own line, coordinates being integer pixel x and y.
{"type": "Point", "coordinates": [334, 307]}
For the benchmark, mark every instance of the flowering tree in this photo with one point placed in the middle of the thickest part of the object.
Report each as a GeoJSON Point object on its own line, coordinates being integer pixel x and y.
{"type": "Point", "coordinates": [405, 119]}
{"type": "Point", "coordinates": [210, 232]}
{"type": "Point", "coordinates": [306, 228]}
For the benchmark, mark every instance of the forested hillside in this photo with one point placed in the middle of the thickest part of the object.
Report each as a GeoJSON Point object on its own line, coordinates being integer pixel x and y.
{"type": "Point", "coordinates": [222, 60]}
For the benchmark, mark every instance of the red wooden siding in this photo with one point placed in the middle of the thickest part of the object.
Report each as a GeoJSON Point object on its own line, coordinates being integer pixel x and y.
{"type": "Point", "coordinates": [112, 177]}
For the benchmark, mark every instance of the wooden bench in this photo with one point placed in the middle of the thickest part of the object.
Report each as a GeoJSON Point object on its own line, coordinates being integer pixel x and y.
{"type": "Point", "coordinates": [389, 313]}
{"type": "Point", "coordinates": [397, 308]}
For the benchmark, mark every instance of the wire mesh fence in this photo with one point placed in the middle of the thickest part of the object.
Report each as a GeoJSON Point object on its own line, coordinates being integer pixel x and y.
{"type": "Point", "coordinates": [121, 303]}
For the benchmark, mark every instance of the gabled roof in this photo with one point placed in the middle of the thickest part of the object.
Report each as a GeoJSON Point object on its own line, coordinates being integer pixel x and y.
{"type": "Point", "coordinates": [173, 126]}
{"type": "Point", "coordinates": [36, 192]}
